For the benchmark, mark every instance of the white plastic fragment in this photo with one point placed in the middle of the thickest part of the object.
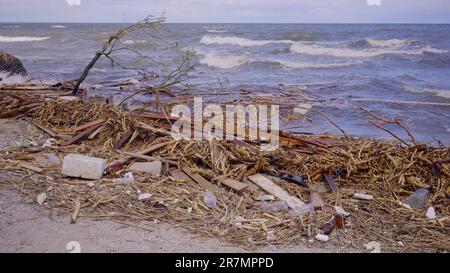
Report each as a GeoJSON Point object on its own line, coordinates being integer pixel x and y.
{"type": "Point", "coordinates": [322, 238]}
{"type": "Point", "coordinates": [40, 199]}
{"type": "Point", "coordinates": [431, 213]}
{"type": "Point", "coordinates": [126, 179]}
{"type": "Point", "coordinates": [340, 211]}
{"type": "Point", "coordinates": [49, 142]}
{"type": "Point", "coordinates": [144, 196]}
{"type": "Point", "coordinates": [80, 166]}
{"type": "Point", "coordinates": [210, 199]}
{"type": "Point", "coordinates": [362, 196]}
{"type": "Point", "coordinates": [91, 184]}
{"type": "Point", "coordinates": [302, 210]}
{"type": "Point", "coordinates": [265, 197]}
{"type": "Point", "coordinates": [374, 246]}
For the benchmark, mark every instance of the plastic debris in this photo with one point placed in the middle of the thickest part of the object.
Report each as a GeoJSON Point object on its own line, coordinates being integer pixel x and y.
{"type": "Point", "coordinates": [374, 246]}
{"type": "Point", "coordinates": [274, 206]}
{"type": "Point", "coordinates": [302, 210]}
{"type": "Point", "coordinates": [340, 211]}
{"type": "Point", "coordinates": [418, 199]}
{"type": "Point", "coordinates": [126, 179]}
{"type": "Point", "coordinates": [210, 200]}
{"type": "Point", "coordinates": [322, 238]}
{"type": "Point", "coordinates": [40, 199]}
{"type": "Point", "coordinates": [144, 196]}
{"type": "Point", "coordinates": [362, 196]}
{"type": "Point", "coordinates": [431, 213]}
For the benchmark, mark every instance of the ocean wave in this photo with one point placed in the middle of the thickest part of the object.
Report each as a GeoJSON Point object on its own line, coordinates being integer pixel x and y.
{"type": "Point", "coordinates": [98, 70]}
{"type": "Point", "coordinates": [135, 42]}
{"type": "Point", "coordinates": [223, 61]}
{"type": "Point", "coordinates": [391, 43]}
{"type": "Point", "coordinates": [58, 26]}
{"type": "Point", "coordinates": [293, 36]}
{"type": "Point", "coordinates": [231, 40]}
{"type": "Point", "coordinates": [6, 39]}
{"type": "Point", "coordinates": [299, 64]}
{"type": "Point", "coordinates": [437, 92]}
{"type": "Point", "coordinates": [7, 79]}
{"type": "Point", "coordinates": [211, 30]}
{"type": "Point", "coordinates": [317, 50]}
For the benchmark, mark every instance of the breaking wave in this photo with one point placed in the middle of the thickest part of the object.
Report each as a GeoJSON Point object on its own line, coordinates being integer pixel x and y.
{"type": "Point", "coordinates": [6, 39]}
{"type": "Point", "coordinates": [211, 30]}
{"type": "Point", "coordinates": [223, 61]}
{"type": "Point", "coordinates": [135, 42]}
{"type": "Point", "coordinates": [293, 36]}
{"type": "Point", "coordinates": [437, 92]}
{"type": "Point", "coordinates": [5, 78]}
{"type": "Point", "coordinates": [298, 65]}
{"type": "Point", "coordinates": [58, 26]}
{"type": "Point", "coordinates": [230, 40]}
{"type": "Point", "coordinates": [381, 49]}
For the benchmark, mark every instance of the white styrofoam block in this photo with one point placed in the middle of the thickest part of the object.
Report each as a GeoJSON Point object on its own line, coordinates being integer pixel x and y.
{"type": "Point", "coordinates": [75, 165]}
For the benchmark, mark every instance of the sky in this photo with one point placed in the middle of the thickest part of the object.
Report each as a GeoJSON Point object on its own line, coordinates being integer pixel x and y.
{"type": "Point", "coordinates": [227, 11]}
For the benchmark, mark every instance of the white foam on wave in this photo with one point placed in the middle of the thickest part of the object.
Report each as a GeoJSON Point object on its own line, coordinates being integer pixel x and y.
{"type": "Point", "coordinates": [317, 50]}
{"type": "Point", "coordinates": [437, 92]}
{"type": "Point", "coordinates": [135, 42]}
{"type": "Point", "coordinates": [224, 61]}
{"type": "Point", "coordinates": [219, 60]}
{"type": "Point", "coordinates": [299, 64]}
{"type": "Point", "coordinates": [6, 79]}
{"type": "Point", "coordinates": [231, 40]}
{"type": "Point", "coordinates": [391, 43]}
{"type": "Point", "coordinates": [211, 30]}
{"type": "Point", "coordinates": [6, 39]}
{"type": "Point", "coordinates": [58, 26]}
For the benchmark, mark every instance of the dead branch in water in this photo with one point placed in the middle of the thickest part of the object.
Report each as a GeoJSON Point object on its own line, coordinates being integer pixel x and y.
{"type": "Point", "coordinates": [150, 68]}
{"type": "Point", "coordinates": [396, 122]}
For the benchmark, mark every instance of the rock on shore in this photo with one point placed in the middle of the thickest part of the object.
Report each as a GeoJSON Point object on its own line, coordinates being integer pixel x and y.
{"type": "Point", "coordinates": [11, 65]}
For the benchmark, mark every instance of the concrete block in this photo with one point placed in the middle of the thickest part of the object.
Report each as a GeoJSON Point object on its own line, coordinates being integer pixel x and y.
{"type": "Point", "coordinates": [154, 168]}
{"type": "Point", "coordinates": [75, 165]}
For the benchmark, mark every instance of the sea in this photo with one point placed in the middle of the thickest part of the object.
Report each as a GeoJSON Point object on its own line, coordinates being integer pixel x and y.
{"type": "Point", "coordinates": [399, 71]}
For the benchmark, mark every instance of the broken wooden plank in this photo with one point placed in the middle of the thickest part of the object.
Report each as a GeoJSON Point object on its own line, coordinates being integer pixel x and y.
{"type": "Point", "coordinates": [81, 135]}
{"type": "Point", "coordinates": [179, 175]}
{"type": "Point", "coordinates": [267, 185]}
{"type": "Point", "coordinates": [234, 184]}
{"type": "Point", "coordinates": [124, 160]}
{"type": "Point", "coordinates": [88, 125]}
{"type": "Point", "coordinates": [123, 140]}
{"type": "Point", "coordinates": [331, 182]}
{"type": "Point", "coordinates": [30, 167]}
{"type": "Point", "coordinates": [45, 129]}
{"type": "Point", "coordinates": [76, 211]}
{"type": "Point", "coordinates": [95, 133]}
{"type": "Point", "coordinates": [150, 158]}
{"type": "Point", "coordinates": [199, 179]}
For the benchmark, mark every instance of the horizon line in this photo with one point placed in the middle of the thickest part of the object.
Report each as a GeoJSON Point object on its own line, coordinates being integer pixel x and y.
{"type": "Point", "coordinates": [309, 23]}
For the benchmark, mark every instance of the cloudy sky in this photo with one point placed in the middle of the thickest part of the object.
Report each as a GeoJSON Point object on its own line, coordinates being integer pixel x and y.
{"type": "Point", "coordinates": [229, 11]}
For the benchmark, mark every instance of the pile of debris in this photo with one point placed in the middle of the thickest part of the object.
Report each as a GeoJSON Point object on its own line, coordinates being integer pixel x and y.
{"type": "Point", "coordinates": [104, 163]}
